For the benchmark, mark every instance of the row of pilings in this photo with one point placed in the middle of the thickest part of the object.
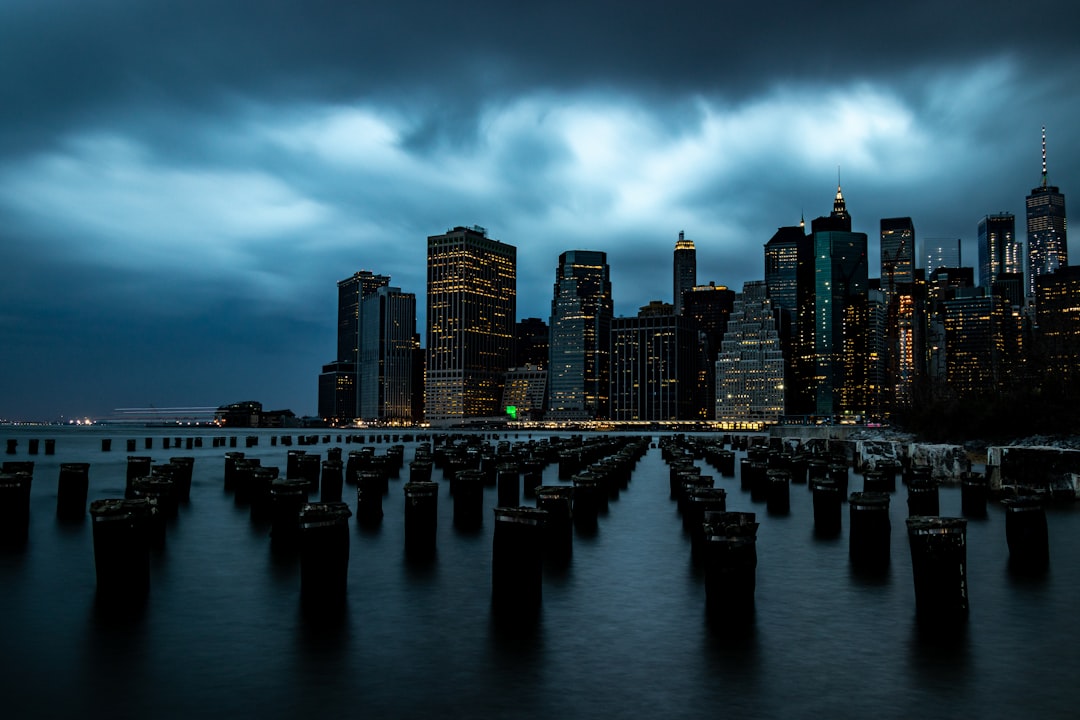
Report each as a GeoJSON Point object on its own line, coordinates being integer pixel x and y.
{"type": "Point", "coordinates": [723, 543]}
{"type": "Point", "coordinates": [302, 507]}
{"type": "Point", "coordinates": [193, 442]}
{"type": "Point", "coordinates": [307, 500]}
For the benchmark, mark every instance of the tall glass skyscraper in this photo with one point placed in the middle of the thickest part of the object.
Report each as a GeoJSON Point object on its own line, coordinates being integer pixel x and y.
{"type": "Point", "coordinates": [897, 252]}
{"type": "Point", "coordinates": [684, 270]}
{"type": "Point", "coordinates": [339, 393]}
{"type": "Point", "coordinates": [1047, 241]}
{"type": "Point", "coordinates": [941, 253]}
{"type": "Point", "coordinates": [386, 355]}
{"type": "Point", "coordinates": [999, 251]}
{"type": "Point", "coordinates": [580, 327]}
{"type": "Point", "coordinates": [840, 313]}
{"type": "Point", "coordinates": [471, 312]}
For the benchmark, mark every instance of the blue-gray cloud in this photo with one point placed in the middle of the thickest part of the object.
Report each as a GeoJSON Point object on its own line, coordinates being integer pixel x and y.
{"type": "Point", "coordinates": [182, 185]}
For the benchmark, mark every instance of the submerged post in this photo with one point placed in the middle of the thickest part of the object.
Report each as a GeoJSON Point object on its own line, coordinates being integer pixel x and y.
{"type": "Point", "coordinates": [1026, 533]}
{"type": "Point", "coordinates": [121, 549]}
{"type": "Point", "coordinates": [72, 488]}
{"type": "Point", "coordinates": [870, 531]}
{"type": "Point", "coordinates": [517, 559]}
{"type": "Point", "coordinates": [730, 563]}
{"type": "Point", "coordinates": [324, 555]}
{"type": "Point", "coordinates": [421, 518]}
{"type": "Point", "coordinates": [939, 565]}
{"type": "Point", "coordinates": [828, 500]}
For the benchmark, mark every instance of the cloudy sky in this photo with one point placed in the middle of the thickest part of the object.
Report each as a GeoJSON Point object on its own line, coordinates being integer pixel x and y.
{"type": "Point", "coordinates": [182, 184]}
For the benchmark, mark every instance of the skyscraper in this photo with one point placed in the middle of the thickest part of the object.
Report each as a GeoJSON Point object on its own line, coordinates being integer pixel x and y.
{"type": "Point", "coordinates": [653, 359]}
{"type": "Point", "coordinates": [840, 313]}
{"type": "Point", "coordinates": [1047, 240]}
{"type": "Point", "coordinates": [471, 308]}
{"type": "Point", "coordinates": [685, 269]}
{"type": "Point", "coordinates": [789, 264]}
{"type": "Point", "coordinates": [580, 326]}
{"type": "Point", "coordinates": [339, 395]}
{"type": "Point", "coordinates": [999, 252]}
{"type": "Point", "coordinates": [941, 253]}
{"type": "Point", "coordinates": [897, 252]}
{"type": "Point", "coordinates": [708, 307]}
{"type": "Point", "coordinates": [386, 355]}
{"type": "Point", "coordinates": [750, 366]}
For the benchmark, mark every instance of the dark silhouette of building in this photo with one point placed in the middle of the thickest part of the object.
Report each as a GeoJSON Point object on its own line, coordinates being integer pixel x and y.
{"type": "Point", "coordinates": [471, 310]}
{"type": "Point", "coordinates": [708, 307]}
{"type": "Point", "coordinates": [531, 343]}
{"type": "Point", "coordinates": [790, 249]}
{"type": "Point", "coordinates": [684, 270]}
{"type": "Point", "coordinates": [339, 398]}
{"type": "Point", "coordinates": [580, 331]}
{"type": "Point", "coordinates": [653, 356]}
{"type": "Point", "coordinates": [1047, 239]}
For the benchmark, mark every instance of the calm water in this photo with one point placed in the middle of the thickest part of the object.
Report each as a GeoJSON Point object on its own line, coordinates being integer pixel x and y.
{"type": "Point", "coordinates": [622, 632]}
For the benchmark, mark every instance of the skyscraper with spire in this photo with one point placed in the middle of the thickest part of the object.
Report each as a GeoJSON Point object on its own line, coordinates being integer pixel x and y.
{"type": "Point", "coordinates": [1047, 243]}
{"type": "Point", "coordinates": [685, 269]}
{"type": "Point", "coordinates": [839, 314]}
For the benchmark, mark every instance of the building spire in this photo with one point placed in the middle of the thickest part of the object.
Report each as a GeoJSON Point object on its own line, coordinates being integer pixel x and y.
{"type": "Point", "coordinates": [1044, 156]}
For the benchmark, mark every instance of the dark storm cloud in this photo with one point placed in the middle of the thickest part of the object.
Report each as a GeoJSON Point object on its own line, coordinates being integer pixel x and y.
{"type": "Point", "coordinates": [181, 184]}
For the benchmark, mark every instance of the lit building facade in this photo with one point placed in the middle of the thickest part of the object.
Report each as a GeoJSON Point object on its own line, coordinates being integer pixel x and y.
{"type": "Point", "coordinates": [983, 342]}
{"type": "Point", "coordinates": [653, 360]}
{"type": "Point", "coordinates": [999, 251]}
{"type": "Point", "coordinates": [1047, 239]}
{"type": "Point", "coordinates": [471, 309]}
{"type": "Point", "coordinates": [386, 355]}
{"type": "Point", "coordinates": [1057, 312]}
{"type": "Point", "coordinates": [580, 332]}
{"type": "Point", "coordinates": [750, 365]}
{"type": "Point", "coordinates": [684, 270]}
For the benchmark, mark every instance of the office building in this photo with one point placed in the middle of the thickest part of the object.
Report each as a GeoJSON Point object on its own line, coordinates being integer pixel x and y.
{"type": "Point", "coordinates": [708, 307]}
{"type": "Point", "coordinates": [339, 396]}
{"type": "Point", "coordinates": [897, 252]}
{"type": "Point", "coordinates": [941, 253]}
{"type": "Point", "coordinates": [531, 343]}
{"type": "Point", "coordinates": [999, 251]}
{"type": "Point", "coordinates": [750, 365]}
{"type": "Point", "coordinates": [385, 374]}
{"type": "Point", "coordinates": [684, 270]}
{"type": "Point", "coordinates": [1047, 239]}
{"type": "Point", "coordinates": [840, 314]}
{"type": "Point", "coordinates": [789, 263]}
{"type": "Point", "coordinates": [579, 328]}
{"type": "Point", "coordinates": [983, 343]}
{"type": "Point", "coordinates": [1057, 312]}
{"type": "Point", "coordinates": [524, 392]}
{"type": "Point", "coordinates": [653, 359]}
{"type": "Point", "coordinates": [471, 310]}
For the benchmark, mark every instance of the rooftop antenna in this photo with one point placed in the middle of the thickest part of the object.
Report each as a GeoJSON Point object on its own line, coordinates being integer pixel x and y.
{"type": "Point", "coordinates": [1044, 156]}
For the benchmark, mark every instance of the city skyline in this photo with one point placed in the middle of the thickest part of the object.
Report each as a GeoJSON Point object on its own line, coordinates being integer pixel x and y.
{"type": "Point", "coordinates": [181, 196]}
